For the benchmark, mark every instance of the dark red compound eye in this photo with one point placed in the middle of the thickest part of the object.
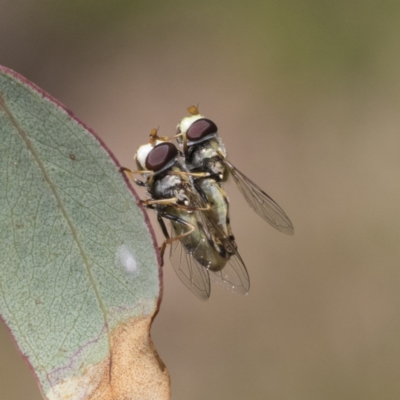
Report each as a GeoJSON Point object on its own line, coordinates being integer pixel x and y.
{"type": "Point", "coordinates": [200, 129]}
{"type": "Point", "coordinates": [160, 156]}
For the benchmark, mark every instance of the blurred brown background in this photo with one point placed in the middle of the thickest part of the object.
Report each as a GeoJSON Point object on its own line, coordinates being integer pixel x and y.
{"type": "Point", "coordinates": [306, 96]}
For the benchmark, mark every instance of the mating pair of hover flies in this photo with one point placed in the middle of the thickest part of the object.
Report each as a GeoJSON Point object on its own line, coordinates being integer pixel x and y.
{"type": "Point", "coordinates": [186, 187]}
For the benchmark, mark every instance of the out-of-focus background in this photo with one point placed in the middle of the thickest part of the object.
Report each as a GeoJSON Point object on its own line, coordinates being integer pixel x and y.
{"type": "Point", "coordinates": [306, 96]}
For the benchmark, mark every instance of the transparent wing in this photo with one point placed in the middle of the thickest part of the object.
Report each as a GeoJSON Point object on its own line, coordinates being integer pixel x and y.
{"type": "Point", "coordinates": [184, 261]}
{"type": "Point", "coordinates": [260, 202]}
{"type": "Point", "coordinates": [233, 274]}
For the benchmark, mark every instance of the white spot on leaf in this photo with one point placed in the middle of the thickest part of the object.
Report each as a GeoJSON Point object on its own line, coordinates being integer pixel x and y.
{"type": "Point", "coordinates": [125, 258]}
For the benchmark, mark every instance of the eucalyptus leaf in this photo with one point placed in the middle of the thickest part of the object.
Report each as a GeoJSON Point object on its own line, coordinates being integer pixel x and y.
{"type": "Point", "coordinates": [79, 275]}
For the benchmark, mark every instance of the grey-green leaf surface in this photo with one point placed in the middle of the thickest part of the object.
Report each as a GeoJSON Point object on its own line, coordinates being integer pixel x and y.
{"type": "Point", "coordinates": [77, 256]}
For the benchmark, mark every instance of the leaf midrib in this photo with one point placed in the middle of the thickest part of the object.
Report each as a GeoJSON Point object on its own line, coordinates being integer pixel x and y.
{"type": "Point", "coordinates": [60, 204]}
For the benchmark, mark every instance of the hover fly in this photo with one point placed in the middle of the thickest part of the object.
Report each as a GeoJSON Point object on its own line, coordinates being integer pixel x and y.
{"type": "Point", "coordinates": [204, 152]}
{"type": "Point", "coordinates": [198, 245]}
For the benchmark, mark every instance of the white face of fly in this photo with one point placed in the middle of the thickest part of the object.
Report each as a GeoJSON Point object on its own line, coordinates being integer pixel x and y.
{"type": "Point", "coordinates": [142, 153]}
{"type": "Point", "coordinates": [185, 123]}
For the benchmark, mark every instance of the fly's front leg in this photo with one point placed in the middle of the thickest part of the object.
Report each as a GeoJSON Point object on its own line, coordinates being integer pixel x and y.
{"type": "Point", "coordinates": [169, 240]}
{"type": "Point", "coordinates": [138, 182]}
{"type": "Point", "coordinates": [165, 232]}
{"type": "Point", "coordinates": [162, 226]}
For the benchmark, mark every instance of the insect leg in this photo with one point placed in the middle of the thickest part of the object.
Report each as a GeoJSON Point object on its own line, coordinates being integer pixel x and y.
{"type": "Point", "coordinates": [165, 232]}
{"type": "Point", "coordinates": [169, 240]}
{"type": "Point", "coordinates": [165, 202]}
{"type": "Point", "coordinates": [195, 174]}
{"type": "Point", "coordinates": [188, 208]}
{"type": "Point", "coordinates": [140, 183]}
{"type": "Point", "coordinates": [173, 202]}
{"type": "Point", "coordinates": [130, 174]}
{"type": "Point", "coordinates": [162, 226]}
